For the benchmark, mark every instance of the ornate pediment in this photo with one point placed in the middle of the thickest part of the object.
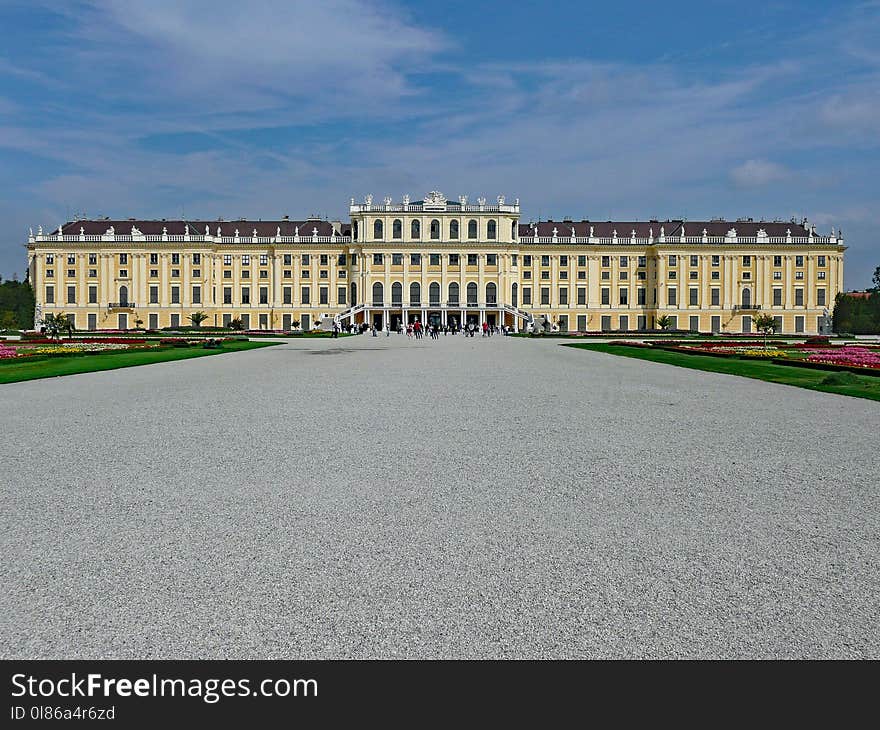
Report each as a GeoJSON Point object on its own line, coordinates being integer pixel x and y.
{"type": "Point", "coordinates": [435, 197]}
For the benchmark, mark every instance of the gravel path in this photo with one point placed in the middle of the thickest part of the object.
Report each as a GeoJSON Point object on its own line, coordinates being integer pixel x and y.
{"type": "Point", "coordinates": [379, 497]}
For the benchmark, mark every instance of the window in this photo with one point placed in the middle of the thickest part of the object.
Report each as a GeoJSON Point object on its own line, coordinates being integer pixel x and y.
{"type": "Point", "coordinates": [799, 323]}
{"type": "Point", "coordinates": [453, 229]}
{"type": "Point", "coordinates": [514, 259]}
{"type": "Point", "coordinates": [492, 230]}
{"type": "Point", "coordinates": [123, 259]}
{"type": "Point", "coordinates": [798, 261]}
{"type": "Point", "coordinates": [434, 259]}
{"type": "Point", "coordinates": [227, 260]}
{"type": "Point", "coordinates": [416, 229]}
{"type": "Point", "coordinates": [624, 261]}
{"type": "Point", "coordinates": [491, 293]}
{"type": "Point", "coordinates": [197, 295]}
{"type": "Point", "coordinates": [175, 258]}
{"type": "Point", "coordinates": [694, 274]}
{"type": "Point", "coordinates": [50, 295]}
{"type": "Point", "coordinates": [322, 274]}
{"type": "Point", "coordinates": [453, 259]}
{"type": "Point", "coordinates": [227, 294]}
{"type": "Point", "coordinates": [93, 259]}
{"type": "Point", "coordinates": [93, 295]}
{"type": "Point", "coordinates": [287, 259]}
{"type": "Point", "coordinates": [514, 294]}
{"type": "Point", "coordinates": [641, 275]}
{"type": "Point", "coordinates": [175, 273]}
{"type": "Point", "coordinates": [799, 275]}
{"type": "Point", "coordinates": [716, 261]}
{"type": "Point", "coordinates": [695, 260]}
{"type": "Point", "coordinates": [305, 295]}
{"type": "Point", "coordinates": [154, 295]}
{"type": "Point", "coordinates": [453, 293]}
{"type": "Point", "coordinates": [245, 295]}
{"type": "Point", "coordinates": [582, 260]}
{"type": "Point", "coordinates": [623, 295]}
{"type": "Point", "coordinates": [606, 261]}
{"type": "Point", "coordinates": [197, 259]}
{"type": "Point", "coordinates": [472, 229]}
{"type": "Point", "coordinates": [50, 273]}
{"type": "Point", "coordinates": [545, 295]}
{"type": "Point", "coordinates": [378, 293]}
{"type": "Point", "coordinates": [821, 275]}
{"type": "Point", "coordinates": [672, 297]}
{"type": "Point", "coordinates": [777, 260]}
{"type": "Point", "coordinates": [673, 260]}
{"type": "Point", "coordinates": [820, 261]}
{"type": "Point", "coordinates": [606, 275]}
{"type": "Point", "coordinates": [673, 274]}
{"type": "Point", "coordinates": [777, 276]}
{"type": "Point", "coordinates": [582, 323]}
{"type": "Point", "coordinates": [716, 275]}
{"type": "Point", "coordinates": [175, 320]}
{"type": "Point", "coordinates": [397, 259]}
{"type": "Point", "coordinates": [640, 296]}
{"type": "Point", "coordinates": [305, 259]}
{"type": "Point", "coordinates": [545, 261]}
{"type": "Point", "coordinates": [527, 260]}
{"type": "Point", "coordinates": [820, 297]}
{"type": "Point", "coordinates": [747, 275]}
{"type": "Point", "coordinates": [563, 296]}
{"type": "Point", "coordinates": [694, 297]}
{"type": "Point", "coordinates": [545, 274]}
{"type": "Point", "coordinates": [287, 295]}
{"type": "Point", "coordinates": [340, 260]}
{"type": "Point", "coordinates": [340, 295]}
{"type": "Point", "coordinates": [491, 259]}
{"type": "Point", "coordinates": [397, 228]}
{"type": "Point", "coordinates": [472, 259]}
{"type": "Point", "coordinates": [323, 295]}
{"type": "Point", "coordinates": [197, 273]}
{"type": "Point", "coordinates": [643, 261]}
{"type": "Point", "coordinates": [564, 275]}
{"type": "Point", "coordinates": [264, 259]}
{"type": "Point", "coordinates": [377, 230]}
{"type": "Point", "coordinates": [415, 259]}
{"type": "Point", "coordinates": [72, 272]}
{"type": "Point", "coordinates": [582, 296]}
{"type": "Point", "coordinates": [624, 275]}
{"type": "Point", "coordinates": [777, 297]}
{"type": "Point", "coordinates": [154, 273]}
{"type": "Point", "coordinates": [377, 259]}
{"type": "Point", "coordinates": [175, 295]}
{"type": "Point", "coordinates": [563, 260]}
{"type": "Point", "coordinates": [285, 274]}
{"type": "Point", "coordinates": [435, 229]}
{"type": "Point", "coordinates": [472, 292]}
{"type": "Point", "coordinates": [746, 297]}
{"type": "Point", "coordinates": [415, 293]}
{"type": "Point", "coordinates": [715, 294]}
{"type": "Point", "coordinates": [799, 297]}
{"type": "Point", "coordinates": [527, 295]}
{"type": "Point", "coordinates": [606, 295]}
{"type": "Point", "coordinates": [747, 260]}
{"type": "Point", "coordinates": [71, 295]}
{"type": "Point", "coordinates": [527, 274]}
{"type": "Point", "coordinates": [583, 274]}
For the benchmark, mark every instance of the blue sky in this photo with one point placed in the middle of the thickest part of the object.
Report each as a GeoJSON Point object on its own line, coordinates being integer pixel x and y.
{"type": "Point", "coordinates": [136, 108]}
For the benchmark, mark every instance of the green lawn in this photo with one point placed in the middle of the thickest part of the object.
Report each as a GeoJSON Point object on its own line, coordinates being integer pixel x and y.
{"type": "Point", "coordinates": [859, 386]}
{"type": "Point", "coordinates": [14, 371]}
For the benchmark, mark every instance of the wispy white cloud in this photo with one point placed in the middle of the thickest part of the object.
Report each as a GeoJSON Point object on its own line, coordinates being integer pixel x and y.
{"type": "Point", "coordinates": [758, 172]}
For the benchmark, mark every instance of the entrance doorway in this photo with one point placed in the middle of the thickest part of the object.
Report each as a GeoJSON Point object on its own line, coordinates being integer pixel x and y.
{"type": "Point", "coordinates": [377, 320]}
{"type": "Point", "coordinates": [490, 319]}
{"type": "Point", "coordinates": [434, 319]}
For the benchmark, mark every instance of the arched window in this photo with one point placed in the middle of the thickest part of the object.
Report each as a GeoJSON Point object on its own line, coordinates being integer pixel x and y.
{"type": "Point", "coordinates": [747, 297]}
{"type": "Point", "coordinates": [472, 293]}
{"type": "Point", "coordinates": [514, 295]}
{"type": "Point", "coordinates": [472, 229]}
{"type": "Point", "coordinates": [377, 230]}
{"type": "Point", "coordinates": [435, 229]}
{"type": "Point", "coordinates": [378, 294]}
{"type": "Point", "coordinates": [123, 295]}
{"type": "Point", "coordinates": [416, 229]}
{"type": "Point", "coordinates": [397, 228]}
{"type": "Point", "coordinates": [397, 293]}
{"type": "Point", "coordinates": [434, 293]}
{"type": "Point", "coordinates": [491, 293]}
{"type": "Point", "coordinates": [453, 292]}
{"type": "Point", "coordinates": [453, 229]}
{"type": "Point", "coordinates": [492, 230]}
{"type": "Point", "coordinates": [354, 291]}
{"type": "Point", "coordinates": [415, 293]}
{"type": "Point", "coordinates": [513, 230]}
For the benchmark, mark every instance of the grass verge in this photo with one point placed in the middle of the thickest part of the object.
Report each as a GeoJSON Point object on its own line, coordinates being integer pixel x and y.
{"type": "Point", "coordinates": [16, 371]}
{"type": "Point", "coordinates": [828, 382]}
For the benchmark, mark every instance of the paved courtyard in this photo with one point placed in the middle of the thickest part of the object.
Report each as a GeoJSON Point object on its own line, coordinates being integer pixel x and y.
{"type": "Point", "coordinates": [380, 497]}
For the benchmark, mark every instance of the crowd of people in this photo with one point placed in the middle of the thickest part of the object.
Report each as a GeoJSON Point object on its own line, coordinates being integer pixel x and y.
{"type": "Point", "coordinates": [416, 330]}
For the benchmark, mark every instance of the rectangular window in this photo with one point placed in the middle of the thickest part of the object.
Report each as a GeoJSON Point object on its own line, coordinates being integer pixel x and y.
{"type": "Point", "coordinates": [694, 274]}
{"type": "Point", "coordinates": [527, 260]}
{"type": "Point", "coordinates": [527, 295]}
{"type": "Point", "coordinates": [799, 275]}
{"type": "Point", "coordinates": [197, 273]}
{"type": "Point", "coordinates": [582, 322]}
{"type": "Point", "coordinates": [695, 260]}
{"type": "Point", "coordinates": [323, 295]}
{"type": "Point", "coordinates": [673, 274]}
{"type": "Point", "coordinates": [453, 259]}
{"type": "Point", "coordinates": [545, 295]}
{"type": "Point", "coordinates": [152, 321]}
{"type": "Point", "coordinates": [175, 273]}
{"type": "Point", "coordinates": [643, 261]}
{"type": "Point", "coordinates": [287, 295]}
{"type": "Point", "coordinates": [246, 321]}
{"type": "Point", "coordinates": [175, 295]}
{"type": "Point", "coordinates": [306, 297]}
{"type": "Point", "coordinates": [197, 295]}
{"type": "Point", "coordinates": [285, 274]}
{"type": "Point", "coordinates": [472, 259]}
{"type": "Point", "coordinates": [563, 297]}
{"type": "Point", "coordinates": [624, 297]}
{"type": "Point", "coordinates": [821, 276]}
{"type": "Point", "coordinates": [227, 295]}
{"type": "Point", "coordinates": [624, 275]}
{"type": "Point", "coordinates": [323, 260]}
{"type": "Point", "coordinates": [777, 297]}
{"type": "Point", "coordinates": [672, 297]}
{"type": "Point", "coordinates": [606, 262]}
{"type": "Point", "coordinates": [93, 295]}
{"type": "Point", "coordinates": [563, 260]}
{"type": "Point", "coordinates": [491, 259]}
{"type": "Point", "coordinates": [820, 297]}
{"type": "Point", "coordinates": [72, 273]}
{"type": "Point", "coordinates": [582, 260]}
{"type": "Point", "coordinates": [175, 258]}
{"type": "Point", "coordinates": [527, 274]}
{"type": "Point", "coordinates": [799, 323]}
{"type": "Point", "coordinates": [50, 295]}
{"type": "Point", "coordinates": [71, 295]}
{"type": "Point", "coordinates": [777, 276]}
{"type": "Point", "coordinates": [415, 259]}
{"type": "Point", "coordinates": [799, 297]}
{"type": "Point", "coordinates": [514, 259]}
{"type": "Point", "coordinates": [93, 259]}
{"type": "Point", "coordinates": [264, 295]}
{"type": "Point", "coordinates": [606, 295]}
{"type": "Point", "coordinates": [545, 261]}
{"type": "Point", "coordinates": [197, 259]}
{"type": "Point", "coordinates": [287, 259]}
{"type": "Point", "coordinates": [716, 275]}
{"type": "Point", "coordinates": [322, 274]}
{"type": "Point", "coordinates": [377, 259]}
{"type": "Point", "coordinates": [306, 258]}
{"type": "Point", "coordinates": [747, 275]}
{"type": "Point", "coordinates": [340, 295]}
{"type": "Point", "coordinates": [641, 296]}
{"type": "Point", "coordinates": [154, 295]}
{"type": "Point", "coordinates": [715, 295]}
{"type": "Point", "coordinates": [623, 324]}
{"type": "Point", "coordinates": [123, 273]}
{"type": "Point", "coordinates": [747, 260]}
{"type": "Point", "coordinates": [694, 324]}
{"type": "Point", "coordinates": [264, 259]}
{"type": "Point", "coordinates": [624, 262]}
{"type": "Point", "coordinates": [673, 260]}
{"type": "Point", "coordinates": [820, 261]}
{"type": "Point", "coordinates": [606, 275]}
{"type": "Point", "coordinates": [175, 321]}
{"type": "Point", "coordinates": [227, 260]}
{"type": "Point", "coordinates": [545, 275]}
{"type": "Point", "coordinates": [716, 261]}
{"type": "Point", "coordinates": [583, 274]}
{"type": "Point", "coordinates": [798, 261]}
{"type": "Point", "coordinates": [582, 296]}
{"type": "Point", "coordinates": [435, 259]}
{"type": "Point", "coordinates": [606, 322]}
{"type": "Point", "coordinates": [777, 260]}
{"type": "Point", "coordinates": [123, 259]}
{"type": "Point", "coordinates": [93, 273]}
{"type": "Point", "coordinates": [227, 274]}
{"type": "Point", "coordinates": [245, 295]}
{"type": "Point", "coordinates": [694, 297]}
{"type": "Point", "coordinates": [71, 259]}
{"type": "Point", "coordinates": [340, 260]}
{"type": "Point", "coordinates": [304, 274]}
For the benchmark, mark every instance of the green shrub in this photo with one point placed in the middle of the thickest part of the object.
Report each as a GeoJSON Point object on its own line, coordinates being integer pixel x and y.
{"type": "Point", "coordinates": [843, 377]}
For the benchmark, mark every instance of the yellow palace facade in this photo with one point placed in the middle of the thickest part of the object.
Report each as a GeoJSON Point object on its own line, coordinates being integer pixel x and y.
{"type": "Point", "coordinates": [438, 261]}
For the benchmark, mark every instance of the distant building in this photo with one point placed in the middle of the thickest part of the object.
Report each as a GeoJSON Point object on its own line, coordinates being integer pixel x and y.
{"type": "Point", "coordinates": [440, 261]}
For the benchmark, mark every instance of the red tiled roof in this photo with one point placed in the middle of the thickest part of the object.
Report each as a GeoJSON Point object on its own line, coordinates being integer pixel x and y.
{"type": "Point", "coordinates": [643, 229]}
{"type": "Point", "coordinates": [178, 227]}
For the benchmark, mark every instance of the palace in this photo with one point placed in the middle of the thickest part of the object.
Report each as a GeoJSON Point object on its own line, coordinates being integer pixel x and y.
{"type": "Point", "coordinates": [438, 261]}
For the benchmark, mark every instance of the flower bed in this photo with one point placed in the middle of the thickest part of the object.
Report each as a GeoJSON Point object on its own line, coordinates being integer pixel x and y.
{"type": "Point", "coordinates": [849, 356]}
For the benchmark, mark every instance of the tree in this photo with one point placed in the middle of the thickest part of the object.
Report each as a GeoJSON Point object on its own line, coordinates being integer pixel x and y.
{"type": "Point", "coordinates": [664, 322]}
{"type": "Point", "coordinates": [138, 323]}
{"type": "Point", "coordinates": [8, 320]}
{"type": "Point", "coordinates": [295, 324]}
{"type": "Point", "coordinates": [55, 324]}
{"type": "Point", "coordinates": [876, 280]}
{"type": "Point", "coordinates": [236, 324]}
{"type": "Point", "coordinates": [765, 324]}
{"type": "Point", "coordinates": [197, 318]}
{"type": "Point", "coordinates": [18, 298]}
